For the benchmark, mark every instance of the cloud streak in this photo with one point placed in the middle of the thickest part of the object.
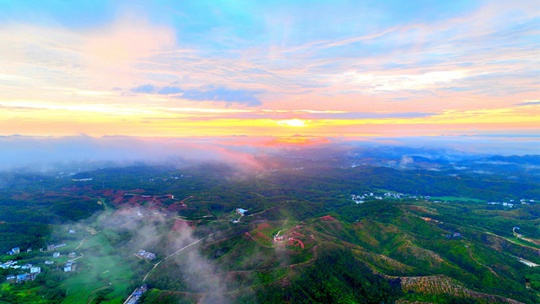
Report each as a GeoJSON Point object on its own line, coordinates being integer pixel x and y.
{"type": "Point", "coordinates": [529, 103]}
{"type": "Point", "coordinates": [210, 93]}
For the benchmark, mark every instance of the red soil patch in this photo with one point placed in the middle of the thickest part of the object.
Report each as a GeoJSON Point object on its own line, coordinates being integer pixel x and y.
{"type": "Point", "coordinates": [180, 225]}
{"type": "Point", "coordinates": [262, 235]}
{"type": "Point", "coordinates": [176, 207]}
{"type": "Point", "coordinates": [263, 226]}
{"type": "Point", "coordinates": [119, 199]}
{"type": "Point", "coordinates": [295, 242]}
{"type": "Point", "coordinates": [108, 192]}
{"type": "Point", "coordinates": [135, 200]}
{"type": "Point", "coordinates": [359, 225]}
{"type": "Point", "coordinates": [328, 218]}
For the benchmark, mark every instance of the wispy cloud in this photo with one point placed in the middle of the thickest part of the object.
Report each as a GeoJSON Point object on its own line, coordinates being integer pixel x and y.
{"type": "Point", "coordinates": [223, 94]}
{"type": "Point", "coordinates": [210, 93]}
{"type": "Point", "coordinates": [528, 103]}
{"type": "Point", "coordinates": [145, 88]}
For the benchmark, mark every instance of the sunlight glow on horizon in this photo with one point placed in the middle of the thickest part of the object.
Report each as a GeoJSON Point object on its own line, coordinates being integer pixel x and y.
{"type": "Point", "coordinates": [292, 122]}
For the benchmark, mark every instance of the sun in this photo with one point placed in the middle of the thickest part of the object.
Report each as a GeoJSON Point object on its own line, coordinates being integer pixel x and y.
{"type": "Point", "coordinates": [292, 122]}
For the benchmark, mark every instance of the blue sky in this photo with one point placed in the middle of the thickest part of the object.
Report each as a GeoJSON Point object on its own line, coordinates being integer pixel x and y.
{"type": "Point", "coordinates": [218, 25]}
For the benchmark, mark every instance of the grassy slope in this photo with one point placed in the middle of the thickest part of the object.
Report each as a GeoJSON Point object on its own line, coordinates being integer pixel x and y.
{"type": "Point", "coordinates": [100, 269]}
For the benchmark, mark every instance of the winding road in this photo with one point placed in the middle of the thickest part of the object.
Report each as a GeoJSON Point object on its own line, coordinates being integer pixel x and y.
{"type": "Point", "coordinates": [173, 254]}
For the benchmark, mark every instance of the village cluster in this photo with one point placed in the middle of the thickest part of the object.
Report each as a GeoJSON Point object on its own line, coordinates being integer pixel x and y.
{"type": "Point", "coordinates": [360, 199]}
{"type": "Point", "coordinates": [136, 295]}
{"type": "Point", "coordinates": [23, 277]}
{"type": "Point", "coordinates": [512, 203]}
{"type": "Point", "coordinates": [145, 254]}
{"type": "Point", "coordinates": [30, 271]}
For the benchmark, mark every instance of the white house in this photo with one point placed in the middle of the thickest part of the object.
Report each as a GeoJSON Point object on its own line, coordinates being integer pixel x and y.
{"type": "Point", "coordinates": [241, 211]}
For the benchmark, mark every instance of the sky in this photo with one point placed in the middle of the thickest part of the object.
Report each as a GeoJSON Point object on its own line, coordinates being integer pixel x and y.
{"type": "Point", "coordinates": [324, 69]}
